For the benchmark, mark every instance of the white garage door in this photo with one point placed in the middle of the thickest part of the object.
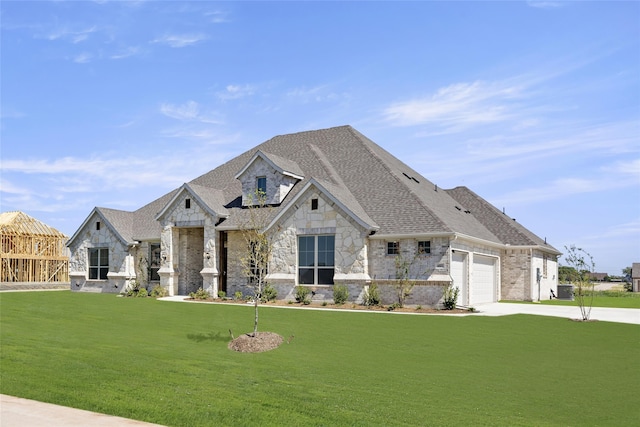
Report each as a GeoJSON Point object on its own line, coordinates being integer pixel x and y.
{"type": "Point", "coordinates": [459, 275]}
{"type": "Point", "coordinates": [483, 284]}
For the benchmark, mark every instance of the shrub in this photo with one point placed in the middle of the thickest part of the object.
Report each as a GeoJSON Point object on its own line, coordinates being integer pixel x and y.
{"type": "Point", "coordinates": [302, 295]}
{"type": "Point", "coordinates": [394, 306]}
{"type": "Point", "coordinates": [143, 293]}
{"type": "Point", "coordinates": [158, 292]}
{"type": "Point", "coordinates": [200, 294]}
{"type": "Point", "coordinates": [135, 289]}
{"type": "Point", "coordinates": [371, 296]}
{"type": "Point", "coordinates": [222, 294]}
{"type": "Point", "coordinates": [450, 297]}
{"type": "Point", "coordinates": [340, 294]}
{"type": "Point", "coordinates": [238, 296]}
{"type": "Point", "coordinates": [269, 293]}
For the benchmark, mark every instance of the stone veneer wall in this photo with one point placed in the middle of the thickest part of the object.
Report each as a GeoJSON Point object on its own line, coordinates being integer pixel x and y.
{"type": "Point", "coordinates": [79, 260]}
{"type": "Point", "coordinates": [188, 247]}
{"type": "Point", "coordinates": [383, 266]}
{"type": "Point", "coordinates": [278, 185]}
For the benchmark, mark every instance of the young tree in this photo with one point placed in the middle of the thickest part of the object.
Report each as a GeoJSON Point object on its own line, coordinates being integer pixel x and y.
{"type": "Point", "coordinates": [259, 243]}
{"type": "Point", "coordinates": [403, 285]}
{"type": "Point", "coordinates": [583, 266]}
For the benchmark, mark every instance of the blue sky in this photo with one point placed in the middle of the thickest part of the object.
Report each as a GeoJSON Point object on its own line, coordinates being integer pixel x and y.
{"type": "Point", "coordinates": [533, 105]}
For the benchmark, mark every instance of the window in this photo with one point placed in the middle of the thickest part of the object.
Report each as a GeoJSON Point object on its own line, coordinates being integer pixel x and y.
{"type": "Point", "coordinates": [187, 203]}
{"type": "Point", "coordinates": [314, 204]}
{"type": "Point", "coordinates": [393, 248]}
{"type": "Point", "coordinates": [98, 263]}
{"type": "Point", "coordinates": [316, 255]}
{"type": "Point", "coordinates": [98, 225]}
{"type": "Point", "coordinates": [261, 184]}
{"type": "Point", "coordinates": [154, 262]}
{"type": "Point", "coordinates": [424, 247]}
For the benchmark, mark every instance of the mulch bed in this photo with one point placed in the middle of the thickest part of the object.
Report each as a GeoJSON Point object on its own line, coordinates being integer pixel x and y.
{"type": "Point", "coordinates": [263, 341]}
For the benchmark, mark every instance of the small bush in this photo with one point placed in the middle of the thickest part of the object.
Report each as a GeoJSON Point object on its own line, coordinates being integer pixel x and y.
{"type": "Point", "coordinates": [200, 294]}
{"type": "Point", "coordinates": [222, 294]}
{"type": "Point", "coordinates": [238, 296]}
{"type": "Point", "coordinates": [158, 292]}
{"type": "Point", "coordinates": [269, 293]}
{"type": "Point", "coordinates": [450, 297]}
{"type": "Point", "coordinates": [302, 295]}
{"type": "Point", "coordinates": [372, 296]}
{"type": "Point", "coordinates": [143, 293]}
{"type": "Point", "coordinates": [340, 294]}
{"type": "Point", "coordinates": [394, 306]}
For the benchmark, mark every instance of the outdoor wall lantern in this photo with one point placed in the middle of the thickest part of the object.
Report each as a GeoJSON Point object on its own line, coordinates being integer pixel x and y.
{"type": "Point", "coordinates": [207, 254]}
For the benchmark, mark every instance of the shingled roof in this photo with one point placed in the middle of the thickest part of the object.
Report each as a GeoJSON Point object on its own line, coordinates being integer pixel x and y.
{"type": "Point", "coordinates": [388, 193]}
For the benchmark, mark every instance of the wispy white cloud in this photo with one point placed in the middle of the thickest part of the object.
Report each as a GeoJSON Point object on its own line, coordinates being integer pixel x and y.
{"type": "Point", "coordinates": [83, 58]}
{"type": "Point", "coordinates": [126, 52]}
{"type": "Point", "coordinates": [190, 111]}
{"type": "Point", "coordinates": [460, 104]}
{"type": "Point", "coordinates": [544, 4]}
{"type": "Point", "coordinates": [217, 16]}
{"type": "Point", "coordinates": [236, 91]}
{"type": "Point", "coordinates": [179, 40]}
{"type": "Point", "coordinates": [72, 35]}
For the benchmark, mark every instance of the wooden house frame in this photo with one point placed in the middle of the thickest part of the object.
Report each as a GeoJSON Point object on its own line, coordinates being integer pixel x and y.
{"type": "Point", "coordinates": [31, 251]}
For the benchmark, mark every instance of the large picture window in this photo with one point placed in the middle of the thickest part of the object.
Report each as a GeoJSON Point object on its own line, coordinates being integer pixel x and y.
{"type": "Point", "coordinates": [98, 263]}
{"type": "Point", "coordinates": [316, 260]}
{"type": "Point", "coordinates": [154, 262]}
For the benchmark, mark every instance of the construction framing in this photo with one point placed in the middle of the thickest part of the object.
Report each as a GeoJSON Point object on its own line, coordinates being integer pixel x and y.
{"type": "Point", "coordinates": [31, 250]}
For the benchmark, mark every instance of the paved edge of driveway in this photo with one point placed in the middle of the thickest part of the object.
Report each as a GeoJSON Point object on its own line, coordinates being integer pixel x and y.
{"type": "Point", "coordinates": [19, 412]}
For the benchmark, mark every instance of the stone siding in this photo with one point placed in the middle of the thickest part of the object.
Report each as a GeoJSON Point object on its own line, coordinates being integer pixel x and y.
{"type": "Point", "coordinates": [278, 185]}
{"type": "Point", "coordinates": [120, 271]}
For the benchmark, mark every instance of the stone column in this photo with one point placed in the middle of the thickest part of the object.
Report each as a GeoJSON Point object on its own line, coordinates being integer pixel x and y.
{"type": "Point", "coordinates": [169, 258]}
{"type": "Point", "coordinates": [210, 271]}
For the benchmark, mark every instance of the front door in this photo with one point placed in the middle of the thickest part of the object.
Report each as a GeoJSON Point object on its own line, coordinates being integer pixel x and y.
{"type": "Point", "coordinates": [222, 284]}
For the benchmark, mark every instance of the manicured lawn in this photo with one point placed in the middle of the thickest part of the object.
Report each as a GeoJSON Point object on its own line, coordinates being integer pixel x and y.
{"type": "Point", "coordinates": [168, 363]}
{"type": "Point", "coordinates": [606, 299]}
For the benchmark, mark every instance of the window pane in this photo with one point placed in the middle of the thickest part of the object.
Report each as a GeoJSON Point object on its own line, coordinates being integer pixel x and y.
{"type": "Point", "coordinates": [93, 257]}
{"type": "Point", "coordinates": [305, 251]}
{"type": "Point", "coordinates": [104, 257]}
{"type": "Point", "coordinates": [326, 251]}
{"type": "Point", "coordinates": [261, 184]}
{"type": "Point", "coordinates": [305, 276]}
{"type": "Point", "coordinates": [325, 276]}
{"type": "Point", "coordinates": [93, 273]}
{"type": "Point", "coordinates": [103, 273]}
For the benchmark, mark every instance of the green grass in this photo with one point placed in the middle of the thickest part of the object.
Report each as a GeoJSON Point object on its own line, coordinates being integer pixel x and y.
{"type": "Point", "coordinates": [168, 363]}
{"type": "Point", "coordinates": [615, 299]}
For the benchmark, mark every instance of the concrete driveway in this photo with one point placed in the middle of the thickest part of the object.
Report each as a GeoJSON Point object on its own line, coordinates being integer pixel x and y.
{"type": "Point", "coordinates": [619, 315]}
{"type": "Point", "coordinates": [18, 412]}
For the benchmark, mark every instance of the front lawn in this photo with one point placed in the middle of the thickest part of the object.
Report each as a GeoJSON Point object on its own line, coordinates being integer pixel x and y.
{"type": "Point", "coordinates": [168, 363]}
{"type": "Point", "coordinates": [614, 299]}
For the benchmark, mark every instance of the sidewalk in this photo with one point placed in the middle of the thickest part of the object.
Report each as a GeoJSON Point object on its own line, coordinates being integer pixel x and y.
{"type": "Point", "coordinates": [18, 412]}
{"type": "Point", "coordinates": [618, 315]}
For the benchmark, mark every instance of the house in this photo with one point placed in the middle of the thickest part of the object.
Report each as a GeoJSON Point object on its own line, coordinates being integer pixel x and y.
{"type": "Point", "coordinates": [342, 210]}
{"type": "Point", "coordinates": [635, 277]}
{"type": "Point", "coordinates": [32, 252]}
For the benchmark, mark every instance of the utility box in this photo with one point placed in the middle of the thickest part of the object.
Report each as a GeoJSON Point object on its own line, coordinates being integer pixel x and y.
{"type": "Point", "coordinates": [565, 292]}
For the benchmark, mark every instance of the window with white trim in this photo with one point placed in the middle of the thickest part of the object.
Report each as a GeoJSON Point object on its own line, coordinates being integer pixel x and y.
{"type": "Point", "coordinates": [424, 247]}
{"type": "Point", "coordinates": [316, 259]}
{"type": "Point", "coordinates": [261, 185]}
{"type": "Point", "coordinates": [393, 248]}
{"type": "Point", "coordinates": [98, 263]}
{"type": "Point", "coordinates": [154, 262]}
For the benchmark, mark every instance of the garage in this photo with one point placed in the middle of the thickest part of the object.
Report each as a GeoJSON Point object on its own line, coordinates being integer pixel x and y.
{"type": "Point", "coordinates": [483, 282]}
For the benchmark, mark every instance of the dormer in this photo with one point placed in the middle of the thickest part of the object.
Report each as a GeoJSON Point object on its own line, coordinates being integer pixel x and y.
{"type": "Point", "coordinates": [273, 175]}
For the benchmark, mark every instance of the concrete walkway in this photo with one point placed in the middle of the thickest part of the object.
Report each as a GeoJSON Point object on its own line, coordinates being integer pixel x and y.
{"type": "Point", "coordinates": [618, 315]}
{"type": "Point", "coordinates": [18, 412]}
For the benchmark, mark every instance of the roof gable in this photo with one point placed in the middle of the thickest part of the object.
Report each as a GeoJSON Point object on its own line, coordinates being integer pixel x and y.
{"type": "Point", "coordinates": [210, 200]}
{"type": "Point", "coordinates": [284, 166]}
{"type": "Point", "coordinates": [120, 223]}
